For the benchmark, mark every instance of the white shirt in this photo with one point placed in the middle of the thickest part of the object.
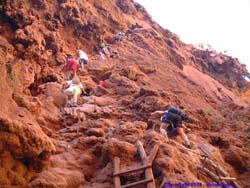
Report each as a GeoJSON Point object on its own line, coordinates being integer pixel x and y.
{"type": "Point", "coordinates": [83, 55]}
{"type": "Point", "coordinates": [74, 85]}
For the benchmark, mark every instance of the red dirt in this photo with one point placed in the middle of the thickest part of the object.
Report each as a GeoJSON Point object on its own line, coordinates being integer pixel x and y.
{"type": "Point", "coordinates": [149, 70]}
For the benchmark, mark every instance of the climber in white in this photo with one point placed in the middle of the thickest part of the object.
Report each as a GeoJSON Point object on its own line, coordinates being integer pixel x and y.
{"type": "Point", "coordinates": [83, 58]}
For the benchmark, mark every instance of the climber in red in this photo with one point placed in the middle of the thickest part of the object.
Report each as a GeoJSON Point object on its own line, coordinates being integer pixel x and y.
{"type": "Point", "coordinates": [70, 67]}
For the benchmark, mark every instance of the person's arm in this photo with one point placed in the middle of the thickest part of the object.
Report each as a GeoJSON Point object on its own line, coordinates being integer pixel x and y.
{"type": "Point", "coordinates": [65, 85]}
{"type": "Point", "coordinates": [157, 112]}
{"type": "Point", "coordinates": [82, 89]}
{"type": "Point", "coordinates": [185, 127]}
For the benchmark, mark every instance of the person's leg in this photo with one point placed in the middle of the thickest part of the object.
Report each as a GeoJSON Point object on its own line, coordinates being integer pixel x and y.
{"type": "Point", "coordinates": [67, 96]}
{"type": "Point", "coordinates": [74, 67]}
{"type": "Point", "coordinates": [77, 92]}
{"type": "Point", "coordinates": [163, 130]}
{"type": "Point", "coordinates": [74, 73]}
{"type": "Point", "coordinates": [180, 131]}
{"type": "Point", "coordinates": [67, 75]}
{"type": "Point", "coordinates": [75, 98]}
{"type": "Point", "coordinates": [70, 74]}
{"type": "Point", "coordinates": [176, 119]}
{"type": "Point", "coordinates": [82, 65]}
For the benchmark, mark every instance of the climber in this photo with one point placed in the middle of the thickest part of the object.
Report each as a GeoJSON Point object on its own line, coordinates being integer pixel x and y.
{"type": "Point", "coordinates": [74, 90]}
{"type": "Point", "coordinates": [101, 56]}
{"type": "Point", "coordinates": [119, 36]}
{"type": "Point", "coordinates": [105, 49]}
{"type": "Point", "coordinates": [70, 66]}
{"type": "Point", "coordinates": [83, 58]}
{"type": "Point", "coordinates": [171, 120]}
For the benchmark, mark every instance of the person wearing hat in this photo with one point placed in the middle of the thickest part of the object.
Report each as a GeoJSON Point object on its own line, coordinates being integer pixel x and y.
{"type": "Point", "coordinates": [74, 90]}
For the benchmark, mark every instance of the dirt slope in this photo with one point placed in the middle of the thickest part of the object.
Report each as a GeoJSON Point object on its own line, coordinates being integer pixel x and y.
{"type": "Point", "coordinates": [150, 69]}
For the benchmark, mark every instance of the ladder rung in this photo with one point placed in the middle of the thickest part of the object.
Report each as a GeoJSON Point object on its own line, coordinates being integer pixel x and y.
{"type": "Point", "coordinates": [132, 170]}
{"type": "Point", "coordinates": [137, 183]}
{"type": "Point", "coordinates": [227, 178]}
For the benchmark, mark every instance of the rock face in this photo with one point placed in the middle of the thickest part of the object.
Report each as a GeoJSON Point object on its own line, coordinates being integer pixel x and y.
{"type": "Point", "coordinates": [43, 144]}
{"type": "Point", "coordinates": [21, 137]}
{"type": "Point", "coordinates": [227, 70]}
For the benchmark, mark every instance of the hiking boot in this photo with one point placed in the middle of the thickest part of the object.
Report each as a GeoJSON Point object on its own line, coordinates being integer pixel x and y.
{"type": "Point", "coordinates": [67, 105]}
{"type": "Point", "coordinates": [187, 146]}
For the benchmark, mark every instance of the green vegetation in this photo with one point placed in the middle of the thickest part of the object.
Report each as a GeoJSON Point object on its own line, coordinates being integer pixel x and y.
{"type": "Point", "coordinates": [208, 111]}
{"type": "Point", "coordinates": [11, 79]}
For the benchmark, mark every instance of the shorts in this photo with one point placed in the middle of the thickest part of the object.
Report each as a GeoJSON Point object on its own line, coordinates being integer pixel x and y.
{"type": "Point", "coordinates": [172, 119]}
{"type": "Point", "coordinates": [73, 90]}
{"type": "Point", "coordinates": [83, 61]}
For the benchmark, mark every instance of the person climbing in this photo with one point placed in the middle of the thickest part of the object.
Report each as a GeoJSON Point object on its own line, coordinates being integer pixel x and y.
{"type": "Point", "coordinates": [70, 67]}
{"type": "Point", "coordinates": [101, 56]}
{"type": "Point", "coordinates": [105, 49]}
{"type": "Point", "coordinates": [74, 90]}
{"type": "Point", "coordinates": [83, 58]}
{"type": "Point", "coordinates": [171, 119]}
{"type": "Point", "coordinates": [119, 36]}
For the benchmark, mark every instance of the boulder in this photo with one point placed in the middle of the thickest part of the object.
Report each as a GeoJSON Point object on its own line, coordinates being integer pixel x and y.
{"type": "Point", "coordinates": [58, 178]}
{"type": "Point", "coordinates": [98, 132]}
{"type": "Point", "coordinates": [54, 90]}
{"type": "Point", "coordinates": [23, 139]}
{"type": "Point", "coordinates": [114, 147]}
{"type": "Point", "coordinates": [129, 131]}
{"type": "Point", "coordinates": [121, 84]}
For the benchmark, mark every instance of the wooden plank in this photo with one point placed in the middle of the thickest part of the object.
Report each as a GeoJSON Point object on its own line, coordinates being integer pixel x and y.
{"type": "Point", "coordinates": [137, 183]}
{"type": "Point", "coordinates": [117, 181]}
{"type": "Point", "coordinates": [221, 171]}
{"type": "Point", "coordinates": [141, 151]}
{"type": "Point", "coordinates": [153, 153]}
{"type": "Point", "coordinates": [217, 167]}
{"type": "Point", "coordinates": [135, 169]}
{"type": "Point", "coordinates": [227, 178]}
{"type": "Point", "coordinates": [208, 173]}
{"type": "Point", "coordinates": [148, 172]}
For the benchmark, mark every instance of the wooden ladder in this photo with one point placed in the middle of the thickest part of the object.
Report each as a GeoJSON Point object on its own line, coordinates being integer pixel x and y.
{"type": "Point", "coordinates": [219, 170]}
{"type": "Point", "coordinates": [146, 165]}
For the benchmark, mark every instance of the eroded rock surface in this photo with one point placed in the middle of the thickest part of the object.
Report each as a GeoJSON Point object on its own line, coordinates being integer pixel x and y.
{"type": "Point", "coordinates": [43, 144]}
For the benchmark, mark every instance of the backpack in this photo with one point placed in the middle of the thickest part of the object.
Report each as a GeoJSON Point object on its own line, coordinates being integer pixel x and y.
{"type": "Point", "coordinates": [174, 110]}
{"type": "Point", "coordinates": [164, 118]}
